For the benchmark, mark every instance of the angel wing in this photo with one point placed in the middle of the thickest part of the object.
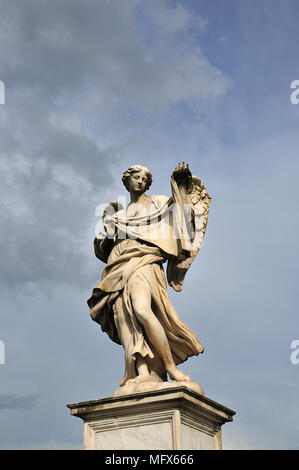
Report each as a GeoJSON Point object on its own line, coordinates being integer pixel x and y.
{"type": "Point", "coordinates": [200, 200]}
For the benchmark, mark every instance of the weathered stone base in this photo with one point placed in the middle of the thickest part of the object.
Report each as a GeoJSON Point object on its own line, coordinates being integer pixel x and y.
{"type": "Point", "coordinates": [176, 417]}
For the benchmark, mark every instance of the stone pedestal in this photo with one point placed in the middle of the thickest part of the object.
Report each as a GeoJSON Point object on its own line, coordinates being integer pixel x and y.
{"type": "Point", "coordinates": [164, 419]}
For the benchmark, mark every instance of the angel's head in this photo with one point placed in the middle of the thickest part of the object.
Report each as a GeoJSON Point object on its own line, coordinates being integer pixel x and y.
{"type": "Point", "coordinates": [137, 178]}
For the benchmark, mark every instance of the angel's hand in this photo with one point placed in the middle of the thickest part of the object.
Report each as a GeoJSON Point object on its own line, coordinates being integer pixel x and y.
{"type": "Point", "coordinates": [182, 174]}
{"type": "Point", "coordinates": [109, 227]}
{"type": "Point", "coordinates": [99, 238]}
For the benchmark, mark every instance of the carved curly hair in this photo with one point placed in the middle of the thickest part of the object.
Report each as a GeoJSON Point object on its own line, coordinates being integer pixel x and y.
{"type": "Point", "coordinates": [135, 169]}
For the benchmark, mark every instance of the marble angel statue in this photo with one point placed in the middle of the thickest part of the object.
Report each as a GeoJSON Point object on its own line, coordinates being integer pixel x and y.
{"type": "Point", "coordinates": [131, 302]}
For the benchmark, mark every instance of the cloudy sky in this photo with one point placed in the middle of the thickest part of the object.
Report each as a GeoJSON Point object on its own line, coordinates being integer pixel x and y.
{"type": "Point", "coordinates": [91, 87]}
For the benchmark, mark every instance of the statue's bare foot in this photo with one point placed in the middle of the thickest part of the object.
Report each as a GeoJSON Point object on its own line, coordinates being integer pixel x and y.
{"type": "Point", "coordinates": [175, 374]}
{"type": "Point", "coordinates": [139, 379]}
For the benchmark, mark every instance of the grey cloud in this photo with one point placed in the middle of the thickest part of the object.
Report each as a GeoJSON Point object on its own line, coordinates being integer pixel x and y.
{"type": "Point", "coordinates": [15, 402]}
{"type": "Point", "coordinates": [71, 70]}
{"type": "Point", "coordinates": [49, 178]}
{"type": "Point", "coordinates": [60, 47]}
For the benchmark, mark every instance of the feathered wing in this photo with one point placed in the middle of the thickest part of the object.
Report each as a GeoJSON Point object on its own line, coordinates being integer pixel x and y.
{"type": "Point", "coordinates": [178, 266]}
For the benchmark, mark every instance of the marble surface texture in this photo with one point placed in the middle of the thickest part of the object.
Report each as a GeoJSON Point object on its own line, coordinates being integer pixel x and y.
{"type": "Point", "coordinates": [166, 419]}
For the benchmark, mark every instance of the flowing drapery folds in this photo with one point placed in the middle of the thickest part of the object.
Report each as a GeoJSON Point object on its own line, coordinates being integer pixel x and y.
{"type": "Point", "coordinates": [162, 230]}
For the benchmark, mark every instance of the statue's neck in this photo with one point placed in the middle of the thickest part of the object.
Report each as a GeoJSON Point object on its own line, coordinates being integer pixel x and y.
{"type": "Point", "coordinates": [137, 198]}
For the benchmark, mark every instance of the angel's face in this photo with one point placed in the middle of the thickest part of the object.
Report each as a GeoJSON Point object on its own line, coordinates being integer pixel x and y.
{"type": "Point", "coordinates": [137, 182]}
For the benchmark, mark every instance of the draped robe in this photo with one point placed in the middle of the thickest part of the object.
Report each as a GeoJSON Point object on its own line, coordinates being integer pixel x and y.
{"type": "Point", "coordinates": [161, 233]}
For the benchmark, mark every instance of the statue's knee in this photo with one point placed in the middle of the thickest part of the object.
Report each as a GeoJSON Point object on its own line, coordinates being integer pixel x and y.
{"type": "Point", "coordinates": [142, 314]}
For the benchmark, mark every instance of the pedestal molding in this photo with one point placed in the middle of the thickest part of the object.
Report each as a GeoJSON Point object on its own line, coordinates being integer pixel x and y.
{"type": "Point", "coordinates": [179, 415]}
